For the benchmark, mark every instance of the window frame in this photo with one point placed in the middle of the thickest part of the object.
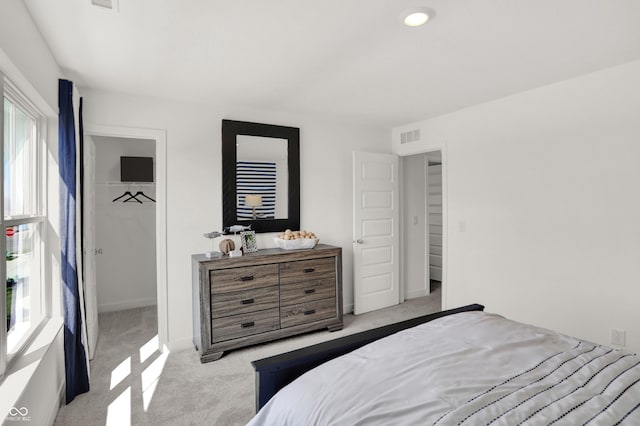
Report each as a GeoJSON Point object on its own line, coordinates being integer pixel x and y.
{"type": "Point", "coordinates": [37, 217]}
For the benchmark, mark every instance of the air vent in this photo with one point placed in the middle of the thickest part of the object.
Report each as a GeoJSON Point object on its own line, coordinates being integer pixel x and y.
{"type": "Point", "coordinates": [410, 136]}
{"type": "Point", "coordinates": [108, 4]}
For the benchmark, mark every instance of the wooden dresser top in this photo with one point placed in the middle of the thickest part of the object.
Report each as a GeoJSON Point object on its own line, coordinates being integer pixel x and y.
{"type": "Point", "coordinates": [265, 256]}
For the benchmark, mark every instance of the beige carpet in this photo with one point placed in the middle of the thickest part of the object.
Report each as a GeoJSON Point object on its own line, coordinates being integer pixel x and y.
{"type": "Point", "coordinates": [132, 384]}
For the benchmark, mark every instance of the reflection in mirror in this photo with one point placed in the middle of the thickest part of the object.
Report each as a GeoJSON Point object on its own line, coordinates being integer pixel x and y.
{"type": "Point", "coordinates": [262, 179]}
{"type": "Point", "coordinates": [269, 200]}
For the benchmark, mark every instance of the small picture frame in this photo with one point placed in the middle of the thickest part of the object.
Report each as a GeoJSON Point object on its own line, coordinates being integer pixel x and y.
{"type": "Point", "coordinates": [248, 239]}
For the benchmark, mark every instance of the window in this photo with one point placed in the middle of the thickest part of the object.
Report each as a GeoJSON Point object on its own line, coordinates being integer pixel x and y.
{"type": "Point", "coordinates": [22, 220]}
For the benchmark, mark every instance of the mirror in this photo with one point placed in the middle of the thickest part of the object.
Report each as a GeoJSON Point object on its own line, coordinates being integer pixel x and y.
{"type": "Point", "coordinates": [260, 176]}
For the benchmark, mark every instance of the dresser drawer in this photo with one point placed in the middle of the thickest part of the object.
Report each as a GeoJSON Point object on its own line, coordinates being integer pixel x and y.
{"type": "Point", "coordinates": [302, 270]}
{"type": "Point", "coordinates": [262, 296]}
{"type": "Point", "coordinates": [307, 312]}
{"type": "Point", "coordinates": [307, 291]}
{"type": "Point", "coordinates": [242, 302]}
{"type": "Point", "coordinates": [245, 278]}
{"type": "Point", "coordinates": [236, 326]}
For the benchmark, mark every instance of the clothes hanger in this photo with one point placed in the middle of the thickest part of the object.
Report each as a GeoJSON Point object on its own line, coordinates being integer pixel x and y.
{"type": "Point", "coordinates": [145, 196]}
{"type": "Point", "coordinates": [123, 195]}
{"type": "Point", "coordinates": [135, 197]}
{"type": "Point", "coordinates": [132, 197]}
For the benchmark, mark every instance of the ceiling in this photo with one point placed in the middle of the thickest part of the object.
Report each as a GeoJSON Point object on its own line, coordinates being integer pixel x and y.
{"type": "Point", "coordinates": [351, 59]}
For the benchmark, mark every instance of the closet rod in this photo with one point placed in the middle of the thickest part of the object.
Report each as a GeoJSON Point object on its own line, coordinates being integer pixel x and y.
{"type": "Point", "coordinates": [126, 183]}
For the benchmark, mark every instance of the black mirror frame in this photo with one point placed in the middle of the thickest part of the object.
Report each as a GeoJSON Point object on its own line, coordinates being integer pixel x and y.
{"type": "Point", "coordinates": [230, 130]}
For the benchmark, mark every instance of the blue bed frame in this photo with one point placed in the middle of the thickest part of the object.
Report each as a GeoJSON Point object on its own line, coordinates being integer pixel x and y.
{"type": "Point", "coordinates": [274, 373]}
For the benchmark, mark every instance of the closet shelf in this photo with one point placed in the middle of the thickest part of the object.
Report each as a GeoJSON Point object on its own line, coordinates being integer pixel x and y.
{"type": "Point", "coordinates": [126, 183]}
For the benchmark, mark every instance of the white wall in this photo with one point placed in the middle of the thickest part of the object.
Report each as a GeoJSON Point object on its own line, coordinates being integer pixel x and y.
{"type": "Point", "coordinates": [22, 42]}
{"type": "Point", "coordinates": [26, 59]}
{"type": "Point", "coordinates": [414, 232]}
{"type": "Point", "coordinates": [125, 232]}
{"type": "Point", "coordinates": [544, 205]}
{"type": "Point", "coordinates": [194, 180]}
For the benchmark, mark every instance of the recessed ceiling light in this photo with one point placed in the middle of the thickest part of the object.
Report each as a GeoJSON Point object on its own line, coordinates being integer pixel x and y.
{"type": "Point", "coordinates": [416, 17]}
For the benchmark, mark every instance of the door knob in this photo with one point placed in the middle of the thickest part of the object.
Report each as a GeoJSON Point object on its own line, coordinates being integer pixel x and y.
{"type": "Point", "coordinates": [359, 241]}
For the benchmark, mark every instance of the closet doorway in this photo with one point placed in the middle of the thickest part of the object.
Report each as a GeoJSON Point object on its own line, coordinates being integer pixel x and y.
{"type": "Point", "coordinates": [422, 188]}
{"type": "Point", "coordinates": [124, 227]}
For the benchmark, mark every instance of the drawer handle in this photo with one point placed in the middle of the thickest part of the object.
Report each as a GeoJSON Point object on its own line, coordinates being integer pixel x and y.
{"type": "Point", "coordinates": [248, 324]}
{"type": "Point", "coordinates": [249, 278]}
{"type": "Point", "coordinates": [310, 291]}
{"type": "Point", "coordinates": [246, 301]}
{"type": "Point", "coordinates": [308, 270]}
{"type": "Point", "coordinates": [310, 312]}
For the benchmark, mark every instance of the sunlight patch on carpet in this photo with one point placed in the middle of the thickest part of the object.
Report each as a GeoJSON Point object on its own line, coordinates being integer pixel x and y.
{"type": "Point", "coordinates": [119, 411]}
{"type": "Point", "coordinates": [120, 373]}
{"type": "Point", "coordinates": [150, 378]}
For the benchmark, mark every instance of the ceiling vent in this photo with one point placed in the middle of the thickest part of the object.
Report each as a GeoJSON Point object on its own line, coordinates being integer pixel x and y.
{"type": "Point", "coordinates": [108, 4]}
{"type": "Point", "coordinates": [410, 136]}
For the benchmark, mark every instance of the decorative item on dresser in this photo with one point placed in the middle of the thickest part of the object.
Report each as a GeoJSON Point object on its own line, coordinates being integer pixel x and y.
{"type": "Point", "coordinates": [248, 239]}
{"type": "Point", "coordinates": [226, 246]}
{"type": "Point", "coordinates": [265, 295]}
{"type": "Point", "coordinates": [212, 236]}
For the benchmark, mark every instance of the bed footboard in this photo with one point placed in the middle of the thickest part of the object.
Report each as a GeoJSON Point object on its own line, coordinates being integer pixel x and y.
{"type": "Point", "coordinates": [275, 372]}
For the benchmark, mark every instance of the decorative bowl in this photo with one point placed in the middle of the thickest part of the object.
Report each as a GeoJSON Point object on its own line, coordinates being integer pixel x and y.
{"type": "Point", "coordinates": [302, 243]}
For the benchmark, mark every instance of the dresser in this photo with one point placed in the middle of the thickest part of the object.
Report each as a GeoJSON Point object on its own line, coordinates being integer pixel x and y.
{"type": "Point", "coordinates": [263, 296]}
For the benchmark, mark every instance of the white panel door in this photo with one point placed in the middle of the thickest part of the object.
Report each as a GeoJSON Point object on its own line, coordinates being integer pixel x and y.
{"type": "Point", "coordinates": [90, 287]}
{"type": "Point", "coordinates": [375, 231]}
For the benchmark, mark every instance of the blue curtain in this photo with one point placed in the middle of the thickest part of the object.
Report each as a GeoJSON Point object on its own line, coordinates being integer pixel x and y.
{"type": "Point", "coordinates": [77, 377]}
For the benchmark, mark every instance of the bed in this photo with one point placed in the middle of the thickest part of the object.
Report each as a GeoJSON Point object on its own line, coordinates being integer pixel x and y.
{"type": "Point", "coordinates": [462, 366]}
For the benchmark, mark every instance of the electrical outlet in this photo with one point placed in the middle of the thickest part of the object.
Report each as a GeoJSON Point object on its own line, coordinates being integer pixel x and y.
{"type": "Point", "coordinates": [618, 337]}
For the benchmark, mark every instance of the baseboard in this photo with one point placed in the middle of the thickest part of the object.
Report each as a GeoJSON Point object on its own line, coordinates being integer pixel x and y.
{"type": "Point", "coordinates": [347, 309]}
{"type": "Point", "coordinates": [416, 293]}
{"type": "Point", "coordinates": [126, 304]}
{"type": "Point", "coordinates": [181, 345]}
{"type": "Point", "coordinates": [59, 403]}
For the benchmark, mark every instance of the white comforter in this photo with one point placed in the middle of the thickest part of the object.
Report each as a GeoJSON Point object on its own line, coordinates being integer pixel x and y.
{"type": "Point", "coordinates": [468, 368]}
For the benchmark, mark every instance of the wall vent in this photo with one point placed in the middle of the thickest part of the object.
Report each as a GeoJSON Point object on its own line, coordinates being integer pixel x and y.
{"type": "Point", "coordinates": [103, 3]}
{"type": "Point", "coordinates": [410, 136]}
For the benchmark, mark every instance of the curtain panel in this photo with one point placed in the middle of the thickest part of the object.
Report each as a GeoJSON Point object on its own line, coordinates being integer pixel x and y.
{"type": "Point", "coordinates": [76, 369]}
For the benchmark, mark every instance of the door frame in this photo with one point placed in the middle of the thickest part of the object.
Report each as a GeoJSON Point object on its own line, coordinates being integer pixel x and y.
{"type": "Point", "coordinates": [445, 227]}
{"type": "Point", "coordinates": [160, 137]}
{"type": "Point", "coordinates": [404, 224]}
